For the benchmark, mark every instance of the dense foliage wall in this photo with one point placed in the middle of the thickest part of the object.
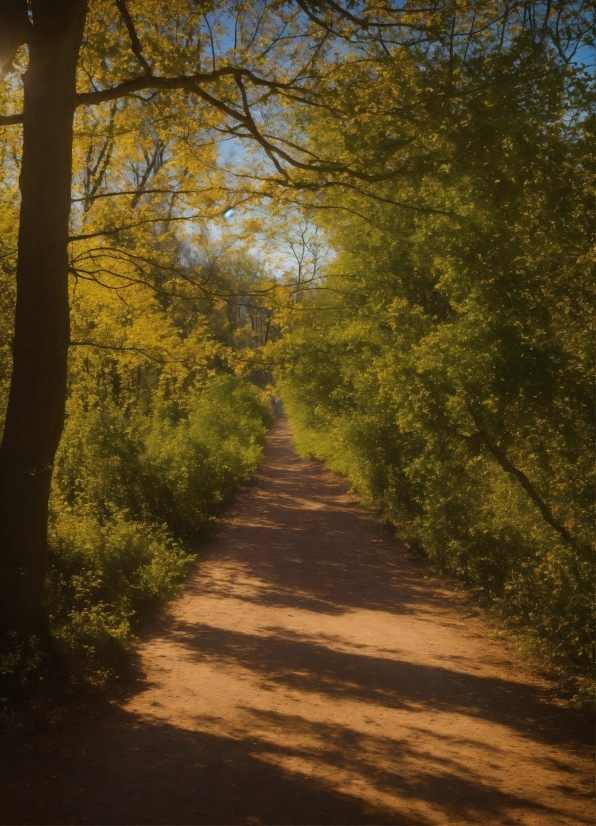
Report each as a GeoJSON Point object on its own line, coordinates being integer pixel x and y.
{"type": "Point", "coordinates": [444, 363]}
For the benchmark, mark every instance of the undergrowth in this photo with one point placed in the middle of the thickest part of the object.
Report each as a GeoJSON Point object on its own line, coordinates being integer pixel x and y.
{"type": "Point", "coordinates": [134, 489]}
{"type": "Point", "coordinates": [473, 523]}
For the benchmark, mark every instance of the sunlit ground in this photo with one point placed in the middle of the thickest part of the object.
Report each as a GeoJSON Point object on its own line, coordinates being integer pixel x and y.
{"type": "Point", "coordinates": [304, 639]}
{"type": "Point", "coordinates": [310, 674]}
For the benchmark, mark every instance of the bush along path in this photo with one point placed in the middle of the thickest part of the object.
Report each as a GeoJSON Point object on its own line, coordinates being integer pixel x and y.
{"type": "Point", "coordinates": [311, 673]}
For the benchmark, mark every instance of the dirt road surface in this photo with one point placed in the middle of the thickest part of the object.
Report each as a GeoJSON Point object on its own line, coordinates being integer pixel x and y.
{"type": "Point", "coordinates": [310, 674]}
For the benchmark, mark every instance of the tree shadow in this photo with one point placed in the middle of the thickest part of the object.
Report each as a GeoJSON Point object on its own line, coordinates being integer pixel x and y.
{"type": "Point", "coordinates": [297, 547]}
{"type": "Point", "coordinates": [126, 769]}
{"type": "Point", "coordinates": [310, 544]}
{"type": "Point", "coordinates": [282, 657]}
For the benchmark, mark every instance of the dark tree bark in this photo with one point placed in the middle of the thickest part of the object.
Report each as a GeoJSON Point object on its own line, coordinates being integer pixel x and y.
{"type": "Point", "coordinates": [14, 28]}
{"type": "Point", "coordinates": [35, 414]}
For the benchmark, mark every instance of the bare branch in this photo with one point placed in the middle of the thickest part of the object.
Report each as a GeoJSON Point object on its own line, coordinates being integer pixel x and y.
{"type": "Point", "coordinates": [158, 220]}
{"type": "Point", "coordinates": [119, 348]}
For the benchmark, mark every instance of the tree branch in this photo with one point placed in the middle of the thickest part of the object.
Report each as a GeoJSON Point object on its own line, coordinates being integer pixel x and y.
{"type": "Point", "coordinates": [128, 192]}
{"type": "Point", "coordinates": [521, 477]}
{"type": "Point", "coordinates": [9, 120]}
{"type": "Point", "coordinates": [135, 43]}
{"type": "Point", "coordinates": [191, 83]}
{"type": "Point", "coordinates": [482, 440]}
{"type": "Point", "coordinates": [159, 220]}
{"type": "Point", "coordinates": [361, 22]}
{"type": "Point", "coordinates": [124, 349]}
{"type": "Point", "coordinates": [187, 82]}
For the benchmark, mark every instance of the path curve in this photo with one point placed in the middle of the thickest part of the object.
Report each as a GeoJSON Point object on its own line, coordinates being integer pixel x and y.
{"type": "Point", "coordinates": [311, 674]}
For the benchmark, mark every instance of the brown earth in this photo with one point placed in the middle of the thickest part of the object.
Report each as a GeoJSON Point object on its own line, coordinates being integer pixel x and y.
{"type": "Point", "coordinates": [311, 673]}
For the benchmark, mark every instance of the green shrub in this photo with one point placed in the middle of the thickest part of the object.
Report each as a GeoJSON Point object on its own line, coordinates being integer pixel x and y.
{"type": "Point", "coordinates": [189, 468]}
{"type": "Point", "coordinates": [129, 485]}
{"type": "Point", "coordinates": [105, 578]}
{"type": "Point", "coordinates": [463, 512]}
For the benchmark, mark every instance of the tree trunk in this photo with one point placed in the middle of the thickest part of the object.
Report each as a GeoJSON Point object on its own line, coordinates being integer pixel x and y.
{"type": "Point", "coordinates": [35, 414]}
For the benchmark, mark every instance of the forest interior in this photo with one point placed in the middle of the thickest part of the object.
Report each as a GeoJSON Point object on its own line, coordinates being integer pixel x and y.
{"type": "Point", "coordinates": [378, 214]}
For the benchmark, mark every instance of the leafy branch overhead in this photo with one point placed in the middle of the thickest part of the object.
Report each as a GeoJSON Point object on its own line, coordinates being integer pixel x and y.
{"type": "Point", "coordinates": [253, 88]}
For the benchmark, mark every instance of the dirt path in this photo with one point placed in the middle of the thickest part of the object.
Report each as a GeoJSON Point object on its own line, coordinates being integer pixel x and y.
{"type": "Point", "coordinates": [310, 674]}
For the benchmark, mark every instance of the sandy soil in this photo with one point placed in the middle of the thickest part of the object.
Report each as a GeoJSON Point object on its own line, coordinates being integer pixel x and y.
{"type": "Point", "coordinates": [311, 674]}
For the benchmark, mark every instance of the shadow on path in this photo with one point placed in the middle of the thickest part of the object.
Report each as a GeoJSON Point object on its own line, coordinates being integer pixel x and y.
{"type": "Point", "coordinates": [311, 675]}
